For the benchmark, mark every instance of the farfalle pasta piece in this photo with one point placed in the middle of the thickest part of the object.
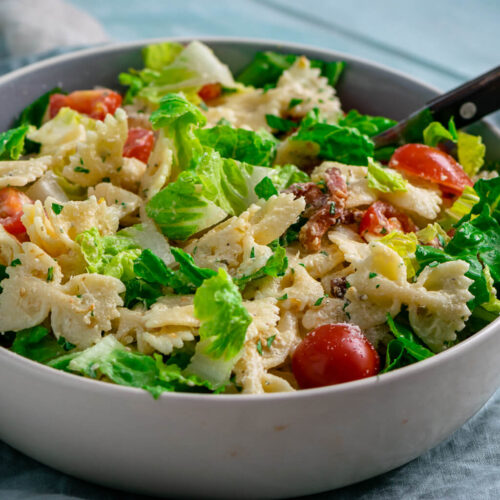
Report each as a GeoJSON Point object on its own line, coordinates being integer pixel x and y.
{"type": "Point", "coordinates": [249, 107]}
{"type": "Point", "coordinates": [123, 201]}
{"type": "Point", "coordinates": [85, 307]}
{"type": "Point", "coordinates": [22, 172]}
{"type": "Point", "coordinates": [441, 311]}
{"type": "Point", "coordinates": [303, 291]}
{"type": "Point", "coordinates": [275, 217]}
{"type": "Point", "coordinates": [330, 310]}
{"type": "Point", "coordinates": [349, 243]}
{"type": "Point", "coordinates": [257, 356]}
{"type": "Point", "coordinates": [100, 155]}
{"type": "Point", "coordinates": [9, 247]}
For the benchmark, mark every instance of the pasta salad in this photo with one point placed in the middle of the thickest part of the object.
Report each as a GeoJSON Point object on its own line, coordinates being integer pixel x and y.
{"type": "Point", "coordinates": [206, 233]}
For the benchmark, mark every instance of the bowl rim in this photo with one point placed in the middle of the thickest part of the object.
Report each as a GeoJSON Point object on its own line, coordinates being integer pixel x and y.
{"type": "Point", "coordinates": [69, 379]}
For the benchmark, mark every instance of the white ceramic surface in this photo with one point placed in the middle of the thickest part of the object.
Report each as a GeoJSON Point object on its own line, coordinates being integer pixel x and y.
{"type": "Point", "coordinates": [239, 446]}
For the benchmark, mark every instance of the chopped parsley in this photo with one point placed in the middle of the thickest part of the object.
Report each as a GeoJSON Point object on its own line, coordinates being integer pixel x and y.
{"type": "Point", "coordinates": [332, 208]}
{"type": "Point", "coordinates": [259, 347]}
{"type": "Point", "coordinates": [83, 170]}
{"type": "Point", "coordinates": [15, 262]}
{"type": "Point", "coordinates": [372, 275]}
{"type": "Point", "coordinates": [294, 102]}
{"type": "Point", "coordinates": [56, 208]}
{"type": "Point", "coordinates": [50, 274]}
{"type": "Point", "coordinates": [252, 253]}
{"type": "Point", "coordinates": [270, 340]}
{"type": "Point", "coordinates": [320, 300]}
{"type": "Point", "coordinates": [283, 297]}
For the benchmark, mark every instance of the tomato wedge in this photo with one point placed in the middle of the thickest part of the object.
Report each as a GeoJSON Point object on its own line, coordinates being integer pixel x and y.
{"type": "Point", "coordinates": [139, 144]}
{"type": "Point", "coordinates": [94, 103]}
{"type": "Point", "coordinates": [431, 164]}
{"type": "Point", "coordinates": [11, 210]}
{"type": "Point", "coordinates": [210, 91]}
{"type": "Point", "coordinates": [381, 218]}
{"type": "Point", "coordinates": [333, 354]}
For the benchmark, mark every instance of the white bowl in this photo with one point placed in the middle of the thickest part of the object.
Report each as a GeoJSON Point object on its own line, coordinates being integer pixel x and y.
{"type": "Point", "coordinates": [238, 446]}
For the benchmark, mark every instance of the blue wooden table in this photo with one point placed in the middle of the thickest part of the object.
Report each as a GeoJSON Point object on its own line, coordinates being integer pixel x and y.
{"type": "Point", "coordinates": [440, 42]}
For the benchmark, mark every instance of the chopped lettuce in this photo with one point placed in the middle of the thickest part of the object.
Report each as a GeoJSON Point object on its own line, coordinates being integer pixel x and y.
{"type": "Point", "coordinates": [267, 67]}
{"type": "Point", "coordinates": [405, 349]}
{"type": "Point", "coordinates": [108, 255]}
{"type": "Point", "coordinates": [178, 117]}
{"type": "Point", "coordinates": [111, 359]}
{"type": "Point", "coordinates": [265, 188]}
{"type": "Point", "coordinates": [334, 142]}
{"type": "Point", "coordinates": [181, 209]}
{"type": "Point", "coordinates": [460, 208]}
{"type": "Point", "coordinates": [470, 151]}
{"type": "Point", "coordinates": [256, 148]}
{"type": "Point", "coordinates": [194, 274]}
{"type": "Point", "coordinates": [171, 68]}
{"type": "Point", "coordinates": [435, 133]}
{"type": "Point", "coordinates": [284, 176]}
{"type": "Point", "coordinates": [385, 179]}
{"type": "Point", "coordinates": [280, 124]}
{"type": "Point", "coordinates": [366, 124]}
{"type": "Point", "coordinates": [12, 143]}
{"type": "Point", "coordinates": [224, 322]}
{"type": "Point", "coordinates": [37, 344]}
{"type": "Point", "coordinates": [432, 232]}
{"type": "Point", "coordinates": [405, 245]}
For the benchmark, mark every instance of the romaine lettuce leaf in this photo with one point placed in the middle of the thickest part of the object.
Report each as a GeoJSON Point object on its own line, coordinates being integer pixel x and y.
{"type": "Point", "coordinates": [109, 255]}
{"type": "Point", "coordinates": [193, 273]}
{"type": "Point", "coordinates": [37, 344]}
{"type": "Point", "coordinates": [265, 189]}
{"type": "Point", "coordinates": [284, 176]}
{"type": "Point", "coordinates": [267, 67]}
{"type": "Point", "coordinates": [435, 133]}
{"type": "Point", "coordinates": [178, 117]}
{"type": "Point", "coordinates": [405, 349]}
{"type": "Point", "coordinates": [470, 151]}
{"type": "Point", "coordinates": [333, 142]}
{"type": "Point", "coordinates": [181, 209]}
{"type": "Point", "coordinates": [280, 124]}
{"type": "Point", "coordinates": [256, 148]}
{"type": "Point", "coordinates": [111, 359]}
{"type": "Point", "coordinates": [460, 208]}
{"type": "Point", "coordinates": [385, 179]}
{"type": "Point", "coordinates": [12, 143]}
{"type": "Point", "coordinates": [224, 320]}
{"type": "Point", "coordinates": [366, 124]}
{"type": "Point", "coordinates": [193, 67]}
{"type": "Point", "coordinates": [405, 245]}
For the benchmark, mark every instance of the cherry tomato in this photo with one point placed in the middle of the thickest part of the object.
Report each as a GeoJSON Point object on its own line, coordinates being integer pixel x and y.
{"type": "Point", "coordinates": [431, 164]}
{"type": "Point", "coordinates": [139, 144]}
{"type": "Point", "coordinates": [11, 210]}
{"type": "Point", "coordinates": [381, 218]}
{"type": "Point", "coordinates": [333, 354]}
{"type": "Point", "coordinates": [95, 103]}
{"type": "Point", "coordinates": [210, 91]}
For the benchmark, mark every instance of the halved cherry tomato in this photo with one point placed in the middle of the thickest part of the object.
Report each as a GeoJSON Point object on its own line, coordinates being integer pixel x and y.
{"type": "Point", "coordinates": [11, 210]}
{"type": "Point", "coordinates": [431, 164]}
{"type": "Point", "coordinates": [382, 218]}
{"type": "Point", "coordinates": [139, 144]}
{"type": "Point", "coordinates": [95, 103]}
{"type": "Point", "coordinates": [333, 354]}
{"type": "Point", "coordinates": [210, 91]}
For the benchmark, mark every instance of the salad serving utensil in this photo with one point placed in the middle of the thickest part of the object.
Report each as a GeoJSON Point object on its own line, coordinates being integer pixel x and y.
{"type": "Point", "coordinates": [467, 104]}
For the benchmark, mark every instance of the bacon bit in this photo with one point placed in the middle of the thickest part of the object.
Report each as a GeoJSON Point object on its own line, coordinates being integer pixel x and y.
{"type": "Point", "coordinates": [338, 287]}
{"type": "Point", "coordinates": [323, 210]}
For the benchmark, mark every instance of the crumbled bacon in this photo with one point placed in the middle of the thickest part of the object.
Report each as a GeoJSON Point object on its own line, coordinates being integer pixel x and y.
{"type": "Point", "coordinates": [338, 287]}
{"type": "Point", "coordinates": [322, 209]}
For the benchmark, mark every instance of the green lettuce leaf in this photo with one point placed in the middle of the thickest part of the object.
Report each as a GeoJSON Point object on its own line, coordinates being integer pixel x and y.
{"type": "Point", "coordinates": [405, 245]}
{"type": "Point", "coordinates": [460, 208]}
{"type": "Point", "coordinates": [193, 273]}
{"type": "Point", "coordinates": [108, 255]}
{"type": "Point", "coordinates": [470, 151]}
{"type": "Point", "coordinates": [366, 124]}
{"type": "Point", "coordinates": [181, 210]}
{"type": "Point", "coordinates": [138, 290]}
{"type": "Point", "coordinates": [405, 349]}
{"type": "Point", "coordinates": [435, 133]}
{"type": "Point", "coordinates": [178, 117]}
{"type": "Point", "coordinates": [159, 55]}
{"type": "Point", "coordinates": [111, 359]}
{"type": "Point", "coordinates": [224, 320]}
{"type": "Point", "coordinates": [280, 124]}
{"type": "Point", "coordinates": [333, 142]}
{"type": "Point", "coordinates": [256, 148]}
{"type": "Point", "coordinates": [267, 67]}
{"type": "Point", "coordinates": [12, 142]}
{"type": "Point", "coordinates": [385, 179]}
{"type": "Point", "coordinates": [38, 344]}
{"type": "Point", "coordinates": [284, 176]}
{"type": "Point", "coordinates": [265, 188]}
